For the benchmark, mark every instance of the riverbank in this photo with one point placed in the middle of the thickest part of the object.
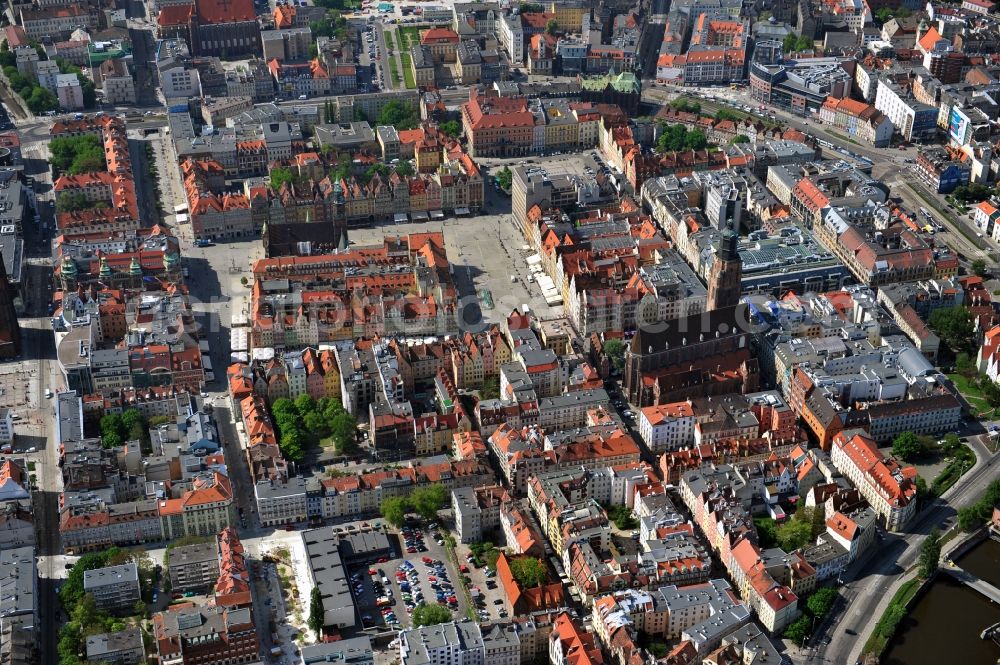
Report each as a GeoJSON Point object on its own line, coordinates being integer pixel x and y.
{"type": "Point", "coordinates": [945, 606]}
{"type": "Point", "coordinates": [894, 614]}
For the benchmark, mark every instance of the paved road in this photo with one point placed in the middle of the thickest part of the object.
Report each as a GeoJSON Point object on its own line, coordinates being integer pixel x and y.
{"type": "Point", "coordinates": [872, 586]}
{"type": "Point", "coordinates": [144, 57]}
{"type": "Point", "coordinates": [383, 64]}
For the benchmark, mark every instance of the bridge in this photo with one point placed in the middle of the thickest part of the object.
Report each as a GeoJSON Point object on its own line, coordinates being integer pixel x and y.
{"type": "Point", "coordinates": [971, 581]}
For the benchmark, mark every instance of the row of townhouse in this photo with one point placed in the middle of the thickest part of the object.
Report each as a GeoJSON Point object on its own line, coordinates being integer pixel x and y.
{"type": "Point", "coordinates": [297, 499]}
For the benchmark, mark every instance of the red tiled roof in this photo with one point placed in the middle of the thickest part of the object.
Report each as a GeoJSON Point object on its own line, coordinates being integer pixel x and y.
{"type": "Point", "coordinates": [173, 15]}
{"type": "Point", "coordinates": [213, 12]}
{"type": "Point", "coordinates": [929, 39]}
{"type": "Point", "coordinates": [439, 36]}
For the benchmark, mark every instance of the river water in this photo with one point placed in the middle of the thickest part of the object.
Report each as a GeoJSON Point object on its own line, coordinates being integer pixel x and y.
{"type": "Point", "coordinates": [944, 625]}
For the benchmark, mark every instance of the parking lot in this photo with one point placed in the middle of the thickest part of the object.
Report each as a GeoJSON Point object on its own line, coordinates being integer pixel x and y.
{"type": "Point", "coordinates": [490, 605]}
{"type": "Point", "coordinates": [386, 592]}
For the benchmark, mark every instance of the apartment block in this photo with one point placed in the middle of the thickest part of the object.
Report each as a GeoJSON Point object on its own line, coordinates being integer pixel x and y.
{"type": "Point", "coordinates": [115, 588]}
{"type": "Point", "coordinates": [193, 567]}
{"type": "Point", "coordinates": [889, 487]}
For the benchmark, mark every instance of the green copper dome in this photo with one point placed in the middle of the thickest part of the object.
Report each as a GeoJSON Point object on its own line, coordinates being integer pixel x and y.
{"type": "Point", "coordinates": [68, 268]}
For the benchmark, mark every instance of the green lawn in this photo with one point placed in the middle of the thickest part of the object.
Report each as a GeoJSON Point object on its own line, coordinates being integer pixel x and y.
{"type": "Point", "coordinates": [841, 136]}
{"type": "Point", "coordinates": [407, 70]}
{"type": "Point", "coordinates": [388, 39]}
{"type": "Point", "coordinates": [408, 36]}
{"type": "Point", "coordinates": [962, 461]}
{"type": "Point", "coordinates": [879, 640]}
{"type": "Point", "coordinates": [394, 71]}
{"type": "Point", "coordinates": [971, 393]}
{"type": "Point", "coordinates": [949, 535]}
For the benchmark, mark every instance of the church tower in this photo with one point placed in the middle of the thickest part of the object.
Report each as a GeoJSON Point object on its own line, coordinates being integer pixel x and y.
{"type": "Point", "coordinates": [725, 276]}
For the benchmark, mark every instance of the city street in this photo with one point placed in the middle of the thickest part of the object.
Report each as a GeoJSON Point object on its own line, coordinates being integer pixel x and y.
{"type": "Point", "coordinates": [383, 64]}
{"type": "Point", "coordinates": [871, 586]}
{"type": "Point", "coordinates": [488, 256]}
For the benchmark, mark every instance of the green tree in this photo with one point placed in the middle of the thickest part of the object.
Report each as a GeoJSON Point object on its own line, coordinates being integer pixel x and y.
{"type": "Point", "coordinates": [797, 43]}
{"type": "Point", "coordinates": [304, 404]}
{"type": "Point", "coordinates": [41, 100]}
{"type": "Point", "coordinates": [979, 267]}
{"type": "Point", "coordinates": [133, 418]}
{"type": "Point", "coordinates": [379, 168]}
{"type": "Point", "coordinates": [485, 553]}
{"type": "Point", "coordinates": [950, 442]}
{"type": "Point", "coordinates": [685, 105]}
{"type": "Point", "coordinates": [695, 140]}
{"type": "Point", "coordinates": [971, 517]}
{"type": "Point", "coordinates": [623, 518]}
{"type": "Point", "coordinates": [71, 202]}
{"type": "Point", "coordinates": [528, 571]}
{"type": "Point", "coordinates": [316, 618]}
{"type": "Point", "coordinates": [907, 446]}
{"type": "Point", "coordinates": [85, 163]}
{"type": "Point", "coordinates": [798, 630]}
{"type": "Point", "coordinates": [315, 424]}
{"type": "Point", "coordinates": [675, 138]}
{"type": "Point", "coordinates": [490, 388]}
{"type": "Point", "coordinates": [330, 408]}
{"type": "Point", "coordinates": [964, 365]}
{"type": "Point", "coordinates": [815, 518]}
{"type": "Point", "coordinates": [930, 554]}
{"type": "Point", "coordinates": [282, 176]}
{"type": "Point", "coordinates": [452, 128]}
{"type": "Point", "coordinates": [70, 641]}
{"type": "Point", "coordinates": [85, 612]}
{"type": "Point", "coordinates": [794, 534]}
{"type": "Point", "coordinates": [400, 115]}
{"type": "Point", "coordinates": [955, 327]}
{"type": "Point", "coordinates": [291, 444]}
{"type": "Point", "coordinates": [344, 432]}
{"type": "Point", "coordinates": [64, 149]}
{"type": "Point", "coordinates": [972, 193]}
{"type": "Point", "coordinates": [505, 178]}
{"type": "Point", "coordinates": [72, 589]}
{"type": "Point", "coordinates": [405, 169]}
{"type": "Point", "coordinates": [657, 649]}
{"type": "Point", "coordinates": [727, 114]}
{"type": "Point", "coordinates": [551, 26]}
{"type": "Point", "coordinates": [740, 138]}
{"type": "Point", "coordinates": [430, 615]}
{"type": "Point", "coordinates": [428, 500]}
{"type": "Point", "coordinates": [767, 532]}
{"type": "Point", "coordinates": [819, 603]}
{"type": "Point", "coordinates": [614, 349]}
{"type": "Point", "coordinates": [394, 509]}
